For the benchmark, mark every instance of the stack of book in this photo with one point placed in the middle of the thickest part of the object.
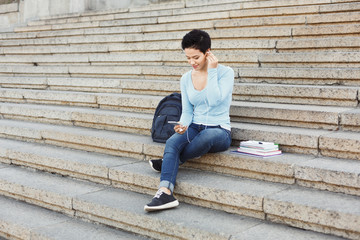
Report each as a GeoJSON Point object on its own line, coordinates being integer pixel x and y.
{"type": "Point", "coordinates": [259, 149]}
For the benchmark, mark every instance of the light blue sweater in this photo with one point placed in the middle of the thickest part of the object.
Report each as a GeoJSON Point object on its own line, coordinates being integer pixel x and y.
{"type": "Point", "coordinates": [211, 105]}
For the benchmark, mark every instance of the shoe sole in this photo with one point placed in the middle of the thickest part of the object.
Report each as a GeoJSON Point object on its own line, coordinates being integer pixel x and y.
{"type": "Point", "coordinates": [162, 207]}
{"type": "Point", "coordinates": [152, 167]}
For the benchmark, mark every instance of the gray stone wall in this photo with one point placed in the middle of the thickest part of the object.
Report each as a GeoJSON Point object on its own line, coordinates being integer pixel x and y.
{"type": "Point", "coordinates": [9, 16]}
{"type": "Point", "coordinates": [40, 8]}
{"type": "Point", "coordinates": [113, 4]}
{"type": "Point", "coordinates": [8, 1]}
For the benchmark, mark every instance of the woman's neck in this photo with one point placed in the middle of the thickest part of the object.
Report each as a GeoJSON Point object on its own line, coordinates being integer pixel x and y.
{"type": "Point", "coordinates": [201, 71]}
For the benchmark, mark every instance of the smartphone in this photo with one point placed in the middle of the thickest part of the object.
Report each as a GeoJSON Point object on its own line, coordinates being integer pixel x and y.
{"type": "Point", "coordinates": [174, 122]}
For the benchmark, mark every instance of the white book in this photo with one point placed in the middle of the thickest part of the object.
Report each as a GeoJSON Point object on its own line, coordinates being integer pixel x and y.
{"type": "Point", "coordinates": [255, 150]}
{"type": "Point", "coordinates": [259, 145]}
{"type": "Point", "coordinates": [260, 153]}
{"type": "Point", "coordinates": [256, 155]}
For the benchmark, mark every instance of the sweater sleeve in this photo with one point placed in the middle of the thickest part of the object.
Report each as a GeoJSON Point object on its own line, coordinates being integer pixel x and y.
{"type": "Point", "coordinates": [219, 89]}
{"type": "Point", "coordinates": [187, 107]}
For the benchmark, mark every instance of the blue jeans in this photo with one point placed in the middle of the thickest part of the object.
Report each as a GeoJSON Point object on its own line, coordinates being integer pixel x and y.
{"type": "Point", "coordinates": [195, 142]}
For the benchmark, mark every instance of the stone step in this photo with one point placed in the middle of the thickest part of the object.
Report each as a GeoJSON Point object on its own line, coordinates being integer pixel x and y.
{"type": "Point", "coordinates": [23, 82]}
{"type": "Point", "coordinates": [229, 57]}
{"type": "Point", "coordinates": [302, 8]}
{"type": "Point", "coordinates": [124, 209]}
{"type": "Point", "coordinates": [148, 42]}
{"type": "Point", "coordinates": [324, 18]}
{"type": "Point", "coordinates": [121, 14]}
{"type": "Point", "coordinates": [335, 145]}
{"type": "Point", "coordinates": [295, 32]}
{"type": "Point", "coordinates": [293, 140]}
{"type": "Point", "coordinates": [338, 30]}
{"type": "Point", "coordinates": [316, 117]}
{"type": "Point", "coordinates": [262, 39]}
{"type": "Point", "coordinates": [299, 23]}
{"type": "Point", "coordinates": [285, 3]}
{"type": "Point", "coordinates": [332, 174]}
{"type": "Point", "coordinates": [297, 94]}
{"type": "Point", "coordinates": [120, 35]}
{"type": "Point", "coordinates": [130, 122]}
{"type": "Point", "coordinates": [65, 59]}
{"type": "Point", "coordinates": [305, 116]}
{"type": "Point", "coordinates": [21, 220]}
{"type": "Point", "coordinates": [342, 17]}
{"type": "Point", "coordinates": [295, 25]}
{"type": "Point", "coordinates": [315, 76]}
{"type": "Point", "coordinates": [300, 140]}
{"type": "Point", "coordinates": [104, 71]}
{"type": "Point", "coordinates": [276, 93]}
{"type": "Point", "coordinates": [140, 14]}
{"type": "Point", "coordinates": [189, 6]}
{"type": "Point", "coordinates": [296, 75]}
{"type": "Point", "coordinates": [71, 49]}
{"type": "Point", "coordinates": [231, 44]}
{"type": "Point", "coordinates": [179, 15]}
{"type": "Point", "coordinates": [246, 11]}
{"type": "Point", "coordinates": [322, 44]}
{"type": "Point", "coordinates": [129, 102]}
{"type": "Point", "coordinates": [115, 37]}
{"type": "Point", "coordinates": [310, 59]}
{"type": "Point", "coordinates": [350, 120]}
{"type": "Point", "coordinates": [154, 24]}
{"type": "Point", "coordinates": [115, 143]}
{"type": "Point", "coordinates": [268, 10]}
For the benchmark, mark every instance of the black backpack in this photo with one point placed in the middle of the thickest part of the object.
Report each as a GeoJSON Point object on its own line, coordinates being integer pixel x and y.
{"type": "Point", "coordinates": [168, 109]}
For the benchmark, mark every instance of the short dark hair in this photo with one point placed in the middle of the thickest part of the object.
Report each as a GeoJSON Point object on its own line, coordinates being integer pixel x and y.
{"type": "Point", "coordinates": [197, 39]}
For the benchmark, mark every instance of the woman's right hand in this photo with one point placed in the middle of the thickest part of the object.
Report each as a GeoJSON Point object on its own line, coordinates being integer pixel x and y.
{"type": "Point", "coordinates": [180, 129]}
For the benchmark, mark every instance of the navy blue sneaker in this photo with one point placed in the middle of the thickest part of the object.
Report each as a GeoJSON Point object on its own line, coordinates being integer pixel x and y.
{"type": "Point", "coordinates": [156, 164]}
{"type": "Point", "coordinates": [161, 201]}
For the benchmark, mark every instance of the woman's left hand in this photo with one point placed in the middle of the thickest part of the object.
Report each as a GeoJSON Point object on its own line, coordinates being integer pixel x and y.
{"type": "Point", "coordinates": [212, 60]}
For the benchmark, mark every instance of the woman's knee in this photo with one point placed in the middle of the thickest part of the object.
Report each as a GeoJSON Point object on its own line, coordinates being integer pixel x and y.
{"type": "Point", "coordinates": [222, 142]}
{"type": "Point", "coordinates": [175, 143]}
{"type": "Point", "coordinates": [214, 134]}
{"type": "Point", "coordinates": [219, 139]}
{"type": "Point", "coordinates": [172, 141]}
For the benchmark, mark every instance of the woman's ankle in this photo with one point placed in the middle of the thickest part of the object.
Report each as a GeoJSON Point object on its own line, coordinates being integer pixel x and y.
{"type": "Point", "coordinates": [166, 190]}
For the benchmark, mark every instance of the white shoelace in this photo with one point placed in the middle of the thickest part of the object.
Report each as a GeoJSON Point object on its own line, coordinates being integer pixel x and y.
{"type": "Point", "coordinates": [158, 193]}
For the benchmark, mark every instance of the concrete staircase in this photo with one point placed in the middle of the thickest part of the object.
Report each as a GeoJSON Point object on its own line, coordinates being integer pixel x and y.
{"type": "Point", "coordinates": [77, 97]}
